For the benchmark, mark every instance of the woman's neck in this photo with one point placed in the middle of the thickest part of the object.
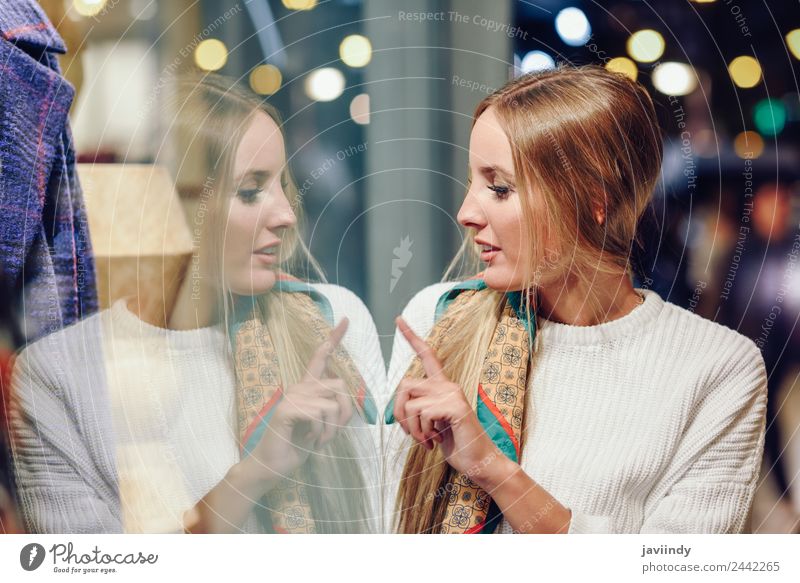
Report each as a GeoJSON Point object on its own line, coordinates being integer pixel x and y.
{"type": "Point", "coordinates": [567, 302]}
{"type": "Point", "coordinates": [193, 307]}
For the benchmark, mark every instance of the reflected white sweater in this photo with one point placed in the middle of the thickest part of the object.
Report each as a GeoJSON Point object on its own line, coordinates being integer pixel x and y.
{"type": "Point", "coordinates": [653, 422]}
{"type": "Point", "coordinates": [113, 408]}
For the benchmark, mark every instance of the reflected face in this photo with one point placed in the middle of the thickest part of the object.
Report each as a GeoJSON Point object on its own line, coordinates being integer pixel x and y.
{"type": "Point", "coordinates": [492, 207]}
{"type": "Point", "coordinates": [259, 212]}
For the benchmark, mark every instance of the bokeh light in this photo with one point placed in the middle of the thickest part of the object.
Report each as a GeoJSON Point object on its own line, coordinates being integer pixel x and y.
{"type": "Point", "coordinates": [324, 84]}
{"type": "Point", "coordinates": [299, 4]}
{"type": "Point", "coordinates": [623, 65]}
{"type": "Point", "coordinates": [793, 42]}
{"type": "Point", "coordinates": [88, 7]}
{"type": "Point", "coordinates": [265, 79]}
{"type": "Point", "coordinates": [646, 46]}
{"type": "Point", "coordinates": [745, 71]}
{"type": "Point", "coordinates": [769, 115]}
{"type": "Point", "coordinates": [359, 109]}
{"type": "Point", "coordinates": [673, 78]}
{"type": "Point", "coordinates": [355, 50]}
{"type": "Point", "coordinates": [573, 27]}
{"type": "Point", "coordinates": [537, 61]}
{"type": "Point", "coordinates": [748, 144]}
{"type": "Point", "coordinates": [211, 54]}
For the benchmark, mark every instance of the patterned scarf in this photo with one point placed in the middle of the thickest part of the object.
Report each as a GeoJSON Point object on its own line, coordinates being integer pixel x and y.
{"type": "Point", "coordinates": [286, 508]}
{"type": "Point", "coordinates": [499, 405]}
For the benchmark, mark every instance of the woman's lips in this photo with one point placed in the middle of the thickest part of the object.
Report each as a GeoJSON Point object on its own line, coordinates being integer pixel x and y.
{"type": "Point", "coordinates": [488, 252]}
{"type": "Point", "coordinates": [488, 255]}
{"type": "Point", "coordinates": [266, 258]}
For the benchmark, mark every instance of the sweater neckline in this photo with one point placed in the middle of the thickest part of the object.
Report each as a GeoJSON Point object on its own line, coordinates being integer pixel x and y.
{"type": "Point", "coordinates": [124, 321]}
{"type": "Point", "coordinates": [635, 321]}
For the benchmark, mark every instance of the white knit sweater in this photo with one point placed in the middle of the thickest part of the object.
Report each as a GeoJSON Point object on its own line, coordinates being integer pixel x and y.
{"type": "Point", "coordinates": [114, 408]}
{"type": "Point", "coordinates": [653, 422]}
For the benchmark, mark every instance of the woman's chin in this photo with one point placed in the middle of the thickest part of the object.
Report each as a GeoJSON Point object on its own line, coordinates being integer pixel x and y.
{"type": "Point", "coordinates": [258, 283]}
{"type": "Point", "coordinates": [499, 280]}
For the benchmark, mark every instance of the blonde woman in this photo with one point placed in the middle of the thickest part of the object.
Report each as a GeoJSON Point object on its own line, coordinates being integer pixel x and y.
{"type": "Point", "coordinates": [247, 408]}
{"type": "Point", "coordinates": [550, 395]}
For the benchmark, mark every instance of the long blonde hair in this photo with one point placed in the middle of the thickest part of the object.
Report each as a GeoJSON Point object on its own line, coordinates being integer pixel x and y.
{"type": "Point", "coordinates": [581, 138]}
{"type": "Point", "coordinates": [216, 113]}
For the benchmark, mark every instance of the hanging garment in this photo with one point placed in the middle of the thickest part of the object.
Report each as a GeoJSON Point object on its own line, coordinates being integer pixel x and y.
{"type": "Point", "coordinates": [45, 249]}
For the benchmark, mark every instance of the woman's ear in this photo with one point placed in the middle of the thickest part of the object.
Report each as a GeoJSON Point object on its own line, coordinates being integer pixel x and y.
{"type": "Point", "coordinates": [600, 215]}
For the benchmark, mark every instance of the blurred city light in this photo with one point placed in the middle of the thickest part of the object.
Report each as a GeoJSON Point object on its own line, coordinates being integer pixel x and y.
{"type": "Point", "coordinates": [646, 46]}
{"type": "Point", "coordinates": [355, 50]}
{"type": "Point", "coordinates": [325, 84]}
{"type": "Point", "coordinates": [573, 27]}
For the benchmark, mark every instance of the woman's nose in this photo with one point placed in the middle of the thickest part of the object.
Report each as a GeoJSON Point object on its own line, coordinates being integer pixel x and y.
{"type": "Point", "coordinates": [281, 216]}
{"type": "Point", "coordinates": [470, 214]}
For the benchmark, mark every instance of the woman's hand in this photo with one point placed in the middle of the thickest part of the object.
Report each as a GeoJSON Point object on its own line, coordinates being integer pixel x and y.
{"type": "Point", "coordinates": [308, 416]}
{"type": "Point", "coordinates": [435, 410]}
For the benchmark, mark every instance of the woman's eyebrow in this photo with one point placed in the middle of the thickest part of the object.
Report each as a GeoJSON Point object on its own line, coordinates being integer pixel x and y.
{"type": "Point", "coordinates": [495, 169]}
{"type": "Point", "coordinates": [257, 173]}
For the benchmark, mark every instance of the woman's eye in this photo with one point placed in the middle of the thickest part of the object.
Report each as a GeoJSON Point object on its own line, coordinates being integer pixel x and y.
{"type": "Point", "coordinates": [248, 195]}
{"type": "Point", "coordinates": [501, 192]}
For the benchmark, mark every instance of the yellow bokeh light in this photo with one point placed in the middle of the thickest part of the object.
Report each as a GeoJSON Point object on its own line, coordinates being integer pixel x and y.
{"type": "Point", "coordinates": [88, 7]}
{"type": "Point", "coordinates": [748, 145]}
{"type": "Point", "coordinates": [623, 65]}
{"type": "Point", "coordinates": [211, 55]}
{"type": "Point", "coordinates": [265, 79]}
{"type": "Point", "coordinates": [355, 50]}
{"type": "Point", "coordinates": [646, 46]}
{"type": "Point", "coordinates": [745, 71]}
{"type": "Point", "coordinates": [299, 4]}
{"type": "Point", "coordinates": [793, 42]}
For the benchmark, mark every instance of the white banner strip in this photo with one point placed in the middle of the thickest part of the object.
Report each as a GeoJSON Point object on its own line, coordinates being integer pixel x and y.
{"type": "Point", "coordinates": [380, 558]}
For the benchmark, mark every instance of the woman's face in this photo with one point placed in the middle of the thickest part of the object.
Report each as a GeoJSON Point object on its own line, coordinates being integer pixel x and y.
{"type": "Point", "coordinates": [259, 213]}
{"type": "Point", "coordinates": [493, 209]}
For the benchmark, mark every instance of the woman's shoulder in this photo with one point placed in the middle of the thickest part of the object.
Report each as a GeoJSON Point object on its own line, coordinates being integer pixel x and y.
{"type": "Point", "coordinates": [722, 351]}
{"type": "Point", "coordinates": [78, 337]}
{"type": "Point", "coordinates": [343, 301]}
{"type": "Point", "coordinates": [422, 306]}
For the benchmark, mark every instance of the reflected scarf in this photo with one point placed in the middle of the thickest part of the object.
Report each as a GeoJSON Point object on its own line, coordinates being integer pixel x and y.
{"type": "Point", "coordinates": [286, 508]}
{"type": "Point", "coordinates": [499, 404]}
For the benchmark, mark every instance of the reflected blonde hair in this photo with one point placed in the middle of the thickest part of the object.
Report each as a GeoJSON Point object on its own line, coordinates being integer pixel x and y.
{"type": "Point", "coordinates": [582, 138]}
{"type": "Point", "coordinates": [214, 113]}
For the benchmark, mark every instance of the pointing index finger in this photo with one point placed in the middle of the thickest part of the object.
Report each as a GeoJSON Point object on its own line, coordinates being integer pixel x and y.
{"type": "Point", "coordinates": [318, 362]}
{"type": "Point", "coordinates": [433, 368]}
